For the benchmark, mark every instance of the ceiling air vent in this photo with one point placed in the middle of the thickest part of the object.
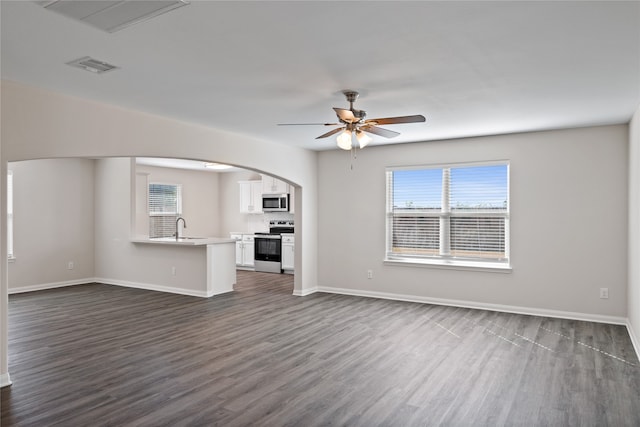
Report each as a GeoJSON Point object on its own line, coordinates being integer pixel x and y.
{"type": "Point", "coordinates": [89, 64]}
{"type": "Point", "coordinates": [112, 16]}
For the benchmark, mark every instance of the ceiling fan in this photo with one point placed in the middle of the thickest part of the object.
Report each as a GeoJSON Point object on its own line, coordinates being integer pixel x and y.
{"type": "Point", "coordinates": [353, 121]}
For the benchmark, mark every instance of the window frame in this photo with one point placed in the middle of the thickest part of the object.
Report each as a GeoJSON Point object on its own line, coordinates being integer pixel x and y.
{"type": "Point", "coordinates": [444, 259]}
{"type": "Point", "coordinates": [173, 215]}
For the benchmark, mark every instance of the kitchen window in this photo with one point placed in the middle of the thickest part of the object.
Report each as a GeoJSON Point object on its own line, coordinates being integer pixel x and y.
{"type": "Point", "coordinates": [456, 215]}
{"type": "Point", "coordinates": [165, 206]}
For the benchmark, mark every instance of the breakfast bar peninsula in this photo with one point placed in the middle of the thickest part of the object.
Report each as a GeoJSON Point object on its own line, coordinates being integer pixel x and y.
{"type": "Point", "coordinates": [198, 266]}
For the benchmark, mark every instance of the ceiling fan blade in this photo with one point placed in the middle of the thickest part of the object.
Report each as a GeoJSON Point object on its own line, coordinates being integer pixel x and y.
{"type": "Point", "coordinates": [395, 120]}
{"type": "Point", "coordinates": [379, 131]}
{"type": "Point", "coordinates": [345, 115]}
{"type": "Point", "coordinates": [308, 124]}
{"type": "Point", "coordinates": [331, 132]}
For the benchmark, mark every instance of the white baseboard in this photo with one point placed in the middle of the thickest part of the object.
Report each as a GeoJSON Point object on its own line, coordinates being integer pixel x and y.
{"type": "Point", "coordinates": [345, 291]}
{"type": "Point", "coordinates": [480, 306]}
{"type": "Point", "coordinates": [137, 285]}
{"type": "Point", "coordinates": [152, 287]}
{"type": "Point", "coordinates": [304, 292]}
{"type": "Point", "coordinates": [634, 338]}
{"type": "Point", "coordinates": [53, 285]}
{"type": "Point", "coordinates": [5, 380]}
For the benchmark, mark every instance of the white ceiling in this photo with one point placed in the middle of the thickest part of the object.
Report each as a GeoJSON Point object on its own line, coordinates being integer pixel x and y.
{"type": "Point", "coordinates": [472, 68]}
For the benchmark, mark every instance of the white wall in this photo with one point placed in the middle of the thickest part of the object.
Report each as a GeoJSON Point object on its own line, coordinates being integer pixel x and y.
{"type": "Point", "coordinates": [568, 223]}
{"type": "Point", "coordinates": [200, 197]}
{"type": "Point", "coordinates": [633, 297]}
{"type": "Point", "coordinates": [53, 223]}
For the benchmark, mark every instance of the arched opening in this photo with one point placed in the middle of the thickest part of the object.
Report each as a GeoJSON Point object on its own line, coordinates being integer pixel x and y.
{"type": "Point", "coordinates": [39, 124]}
{"type": "Point", "coordinates": [76, 218]}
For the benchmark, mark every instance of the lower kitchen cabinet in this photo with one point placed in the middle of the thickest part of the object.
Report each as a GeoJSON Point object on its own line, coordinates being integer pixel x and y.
{"type": "Point", "coordinates": [238, 250]}
{"type": "Point", "coordinates": [288, 251]}
{"type": "Point", "coordinates": [244, 250]}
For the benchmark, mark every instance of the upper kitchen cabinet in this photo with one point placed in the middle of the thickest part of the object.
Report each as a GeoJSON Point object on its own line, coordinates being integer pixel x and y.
{"type": "Point", "coordinates": [271, 185]}
{"type": "Point", "coordinates": [250, 196]}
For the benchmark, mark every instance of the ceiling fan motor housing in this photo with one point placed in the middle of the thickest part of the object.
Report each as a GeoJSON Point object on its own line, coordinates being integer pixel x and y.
{"type": "Point", "coordinates": [360, 114]}
{"type": "Point", "coordinates": [351, 95]}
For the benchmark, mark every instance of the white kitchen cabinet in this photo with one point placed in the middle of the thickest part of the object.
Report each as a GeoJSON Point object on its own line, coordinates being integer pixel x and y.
{"type": "Point", "coordinates": [244, 250]}
{"type": "Point", "coordinates": [288, 251]}
{"type": "Point", "coordinates": [271, 185]}
{"type": "Point", "coordinates": [239, 254]}
{"type": "Point", "coordinates": [248, 246]}
{"type": "Point", "coordinates": [250, 196]}
{"type": "Point", "coordinates": [238, 238]}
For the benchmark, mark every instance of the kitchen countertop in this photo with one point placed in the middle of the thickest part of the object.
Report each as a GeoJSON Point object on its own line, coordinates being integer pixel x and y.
{"type": "Point", "coordinates": [248, 233]}
{"type": "Point", "coordinates": [184, 241]}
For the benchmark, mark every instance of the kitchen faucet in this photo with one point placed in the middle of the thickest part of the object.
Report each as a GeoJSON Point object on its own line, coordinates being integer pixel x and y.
{"type": "Point", "coordinates": [184, 224]}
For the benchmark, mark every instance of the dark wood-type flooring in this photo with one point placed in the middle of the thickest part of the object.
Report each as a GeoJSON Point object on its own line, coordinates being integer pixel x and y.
{"type": "Point", "coordinates": [99, 355]}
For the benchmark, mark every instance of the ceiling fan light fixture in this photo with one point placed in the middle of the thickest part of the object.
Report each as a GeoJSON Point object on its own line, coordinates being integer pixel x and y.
{"type": "Point", "coordinates": [344, 140]}
{"type": "Point", "coordinates": [363, 138]}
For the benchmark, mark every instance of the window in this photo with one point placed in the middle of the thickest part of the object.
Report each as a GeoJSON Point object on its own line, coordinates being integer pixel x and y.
{"type": "Point", "coordinates": [456, 214]}
{"type": "Point", "coordinates": [10, 214]}
{"type": "Point", "coordinates": [165, 206]}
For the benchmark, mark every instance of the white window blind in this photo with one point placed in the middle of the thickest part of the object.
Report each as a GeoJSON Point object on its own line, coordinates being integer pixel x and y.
{"type": "Point", "coordinates": [449, 213]}
{"type": "Point", "coordinates": [10, 214]}
{"type": "Point", "coordinates": [165, 206]}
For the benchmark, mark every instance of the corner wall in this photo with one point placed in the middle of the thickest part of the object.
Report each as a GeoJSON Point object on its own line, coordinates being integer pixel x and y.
{"type": "Point", "coordinates": [633, 298]}
{"type": "Point", "coordinates": [568, 224]}
{"type": "Point", "coordinates": [53, 223]}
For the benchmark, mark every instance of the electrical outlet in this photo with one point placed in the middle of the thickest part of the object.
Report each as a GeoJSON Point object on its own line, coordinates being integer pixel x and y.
{"type": "Point", "coordinates": [604, 293]}
{"type": "Point", "coordinates": [70, 265]}
{"type": "Point", "coordinates": [173, 271]}
{"type": "Point", "coordinates": [369, 274]}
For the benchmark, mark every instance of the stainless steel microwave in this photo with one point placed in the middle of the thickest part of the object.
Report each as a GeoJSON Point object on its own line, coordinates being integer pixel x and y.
{"type": "Point", "coordinates": [275, 203]}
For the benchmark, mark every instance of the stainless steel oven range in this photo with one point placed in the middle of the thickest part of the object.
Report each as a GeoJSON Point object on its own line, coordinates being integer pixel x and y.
{"type": "Point", "coordinates": [268, 247]}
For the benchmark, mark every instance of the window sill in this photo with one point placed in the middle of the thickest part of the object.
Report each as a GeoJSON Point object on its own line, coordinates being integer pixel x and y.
{"type": "Point", "coordinates": [489, 267]}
